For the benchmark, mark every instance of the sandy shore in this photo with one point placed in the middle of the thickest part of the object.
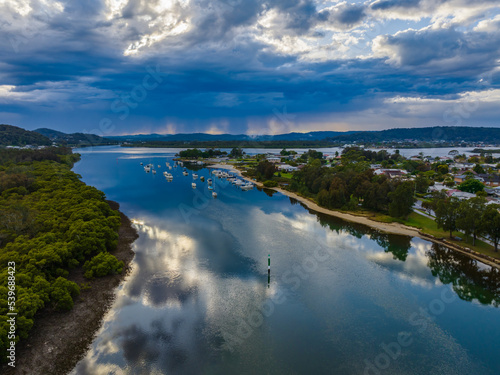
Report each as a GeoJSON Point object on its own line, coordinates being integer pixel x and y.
{"type": "Point", "coordinates": [393, 228]}
{"type": "Point", "coordinates": [59, 339]}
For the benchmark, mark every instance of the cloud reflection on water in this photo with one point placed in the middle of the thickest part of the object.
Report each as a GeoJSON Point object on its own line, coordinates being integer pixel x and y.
{"type": "Point", "coordinates": [190, 283]}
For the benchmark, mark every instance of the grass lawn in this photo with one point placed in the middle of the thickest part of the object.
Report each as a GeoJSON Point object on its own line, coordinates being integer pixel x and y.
{"type": "Point", "coordinates": [284, 174]}
{"type": "Point", "coordinates": [429, 226]}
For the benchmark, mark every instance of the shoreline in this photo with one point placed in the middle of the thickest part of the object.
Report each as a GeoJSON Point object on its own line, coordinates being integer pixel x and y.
{"type": "Point", "coordinates": [392, 228]}
{"type": "Point", "coordinates": [59, 339]}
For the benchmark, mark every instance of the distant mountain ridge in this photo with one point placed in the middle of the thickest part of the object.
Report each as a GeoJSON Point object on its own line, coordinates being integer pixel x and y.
{"type": "Point", "coordinates": [14, 136]}
{"type": "Point", "coordinates": [429, 134]}
{"type": "Point", "coordinates": [310, 136]}
{"type": "Point", "coordinates": [74, 139]}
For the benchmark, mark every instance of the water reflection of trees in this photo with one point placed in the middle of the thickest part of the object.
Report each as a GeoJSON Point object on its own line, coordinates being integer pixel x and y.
{"type": "Point", "coordinates": [193, 167]}
{"type": "Point", "coordinates": [469, 280]}
{"type": "Point", "coordinates": [399, 246]}
{"type": "Point", "coordinates": [269, 192]}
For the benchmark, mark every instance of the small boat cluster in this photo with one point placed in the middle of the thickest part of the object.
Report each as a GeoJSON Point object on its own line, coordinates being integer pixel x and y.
{"type": "Point", "coordinates": [202, 179]}
{"type": "Point", "coordinates": [244, 185]}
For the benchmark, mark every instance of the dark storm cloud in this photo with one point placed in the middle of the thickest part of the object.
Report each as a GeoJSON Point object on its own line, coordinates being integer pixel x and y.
{"type": "Point", "coordinates": [73, 62]}
{"type": "Point", "coordinates": [445, 51]}
{"type": "Point", "coordinates": [344, 15]}
{"type": "Point", "coordinates": [388, 4]}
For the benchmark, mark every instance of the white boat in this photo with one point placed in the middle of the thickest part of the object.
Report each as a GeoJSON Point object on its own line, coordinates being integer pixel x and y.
{"type": "Point", "coordinates": [210, 187]}
{"type": "Point", "coordinates": [159, 166]}
{"type": "Point", "coordinates": [247, 186]}
{"type": "Point", "coordinates": [239, 182]}
{"type": "Point", "coordinates": [141, 163]}
{"type": "Point", "coordinates": [209, 181]}
{"type": "Point", "coordinates": [193, 185]}
{"type": "Point", "coordinates": [154, 171]}
{"type": "Point", "coordinates": [147, 168]}
{"type": "Point", "coordinates": [185, 173]}
{"type": "Point", "coordinates": [214, 194]}
{"type": "Point", "coordinates": [195, 176]}
{"type": "Point", "coordinates": [169, 167]}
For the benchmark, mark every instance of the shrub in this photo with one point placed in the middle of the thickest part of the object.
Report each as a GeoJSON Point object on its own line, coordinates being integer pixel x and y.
{"type": "Point", "coordinates": [270, 183]}
{"type": "Point", "coordinates": [471, 186]}
{"type": "Point", "coordinates": [101, 265]}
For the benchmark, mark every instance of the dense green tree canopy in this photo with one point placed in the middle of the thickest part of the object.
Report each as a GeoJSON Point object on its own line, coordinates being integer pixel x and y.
{"type": "Point", "coordinates": [471, 186]}
{"type": "Point", "coordinates": [51, 222]}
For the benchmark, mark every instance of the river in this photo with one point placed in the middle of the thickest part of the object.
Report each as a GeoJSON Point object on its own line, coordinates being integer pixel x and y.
{"type": "Point", "coordinates": [341, 298]}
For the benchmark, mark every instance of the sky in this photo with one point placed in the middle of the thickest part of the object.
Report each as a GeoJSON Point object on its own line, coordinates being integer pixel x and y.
{"type": "Point", "coordinates": [113, 67]}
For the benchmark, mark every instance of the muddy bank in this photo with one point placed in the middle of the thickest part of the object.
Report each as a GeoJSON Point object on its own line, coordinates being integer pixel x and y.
{"type": "Point", "coordinates": [58, 340]}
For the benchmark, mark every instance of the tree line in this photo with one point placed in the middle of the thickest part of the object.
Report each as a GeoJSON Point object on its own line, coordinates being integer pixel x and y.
{"type": "Point", "coordinates": [473, 216]}
{"type": "Point", "coordinates": [351, 185]}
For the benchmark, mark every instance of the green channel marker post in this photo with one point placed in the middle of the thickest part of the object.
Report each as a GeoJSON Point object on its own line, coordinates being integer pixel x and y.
{"type": "Point", "coordinates": [268, 270]}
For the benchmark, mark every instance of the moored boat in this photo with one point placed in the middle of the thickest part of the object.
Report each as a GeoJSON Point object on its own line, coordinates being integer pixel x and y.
{"type": "Point", "coordinates": [247, 186]}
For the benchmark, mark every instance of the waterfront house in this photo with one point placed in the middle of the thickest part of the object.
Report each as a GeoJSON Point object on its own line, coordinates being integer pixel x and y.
{"type": "Point", "coordinates": [287, 168]}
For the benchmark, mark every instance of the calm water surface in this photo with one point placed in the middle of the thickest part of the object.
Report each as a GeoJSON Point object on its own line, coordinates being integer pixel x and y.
{"type": "Point", "coordinates": [341, 299]}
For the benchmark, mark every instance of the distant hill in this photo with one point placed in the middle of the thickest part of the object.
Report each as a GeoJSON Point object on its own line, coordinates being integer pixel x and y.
{"type": "Point", "coordinates": [75, 139]}
{"type": "Point", "coordinates": [14, 136]}
{"type": "Point", "coordinates": [453, 134]}
{"type": "Point", "coordinates": [430, 134]}
{"type": "Point", "coordinates": [200, 137]}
